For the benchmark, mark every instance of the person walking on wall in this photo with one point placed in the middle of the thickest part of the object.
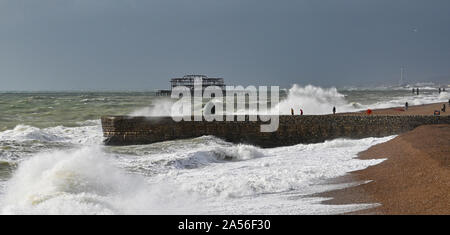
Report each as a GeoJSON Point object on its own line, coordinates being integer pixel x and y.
{"type": "Point", "coordinates": [301, 112]}
{"type": "Point", "coordinates": [334, 110]}
{"type": "Point", "coordinates": [406, 106]}
{"type": "Point", "coordinates": [292, 111]}
{"type": "Point", "coordinates": [417, 90]}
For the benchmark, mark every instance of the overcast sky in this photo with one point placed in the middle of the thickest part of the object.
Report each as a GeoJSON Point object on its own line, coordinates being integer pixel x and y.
{"type": "Point", "coordinates": [141, 44]}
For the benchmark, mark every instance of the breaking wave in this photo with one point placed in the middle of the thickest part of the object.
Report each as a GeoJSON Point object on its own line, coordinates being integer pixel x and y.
{"type": "Point", "coordinates": [313, 100]}
{"type": "Point", "coordinates": [91, 133]}
{"type": "Point", "coordinates": [81, 182]}
{"type": "Point", "coordinates": [160, 107]}
{"type": "Point", "coordinates": [218, 154]}
{"type": "Point", "coordinates": [220, 178]}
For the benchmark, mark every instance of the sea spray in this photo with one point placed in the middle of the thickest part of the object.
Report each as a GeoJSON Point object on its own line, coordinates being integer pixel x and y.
{"type": "Point", "coordinates": [315, 100]}
{"type": "Point", "coordinates": [159, 107]}
{"type": "Point", "coordinates": [82, 181]}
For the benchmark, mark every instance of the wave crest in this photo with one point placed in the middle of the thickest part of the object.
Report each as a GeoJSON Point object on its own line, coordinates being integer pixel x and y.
{"type": "Point", "coordinates": [87, 134]}
{"type": "Point", "coordinates": [313, 100]}
{"type": "Point", "coordinates": [82, 182]}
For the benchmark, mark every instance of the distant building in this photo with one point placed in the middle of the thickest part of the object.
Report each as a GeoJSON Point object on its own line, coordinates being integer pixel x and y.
{"type": "Point", "coordinates": [189, 82]}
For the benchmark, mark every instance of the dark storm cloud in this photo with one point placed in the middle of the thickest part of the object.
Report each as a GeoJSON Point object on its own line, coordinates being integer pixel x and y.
{"type": "Point", "coordinates": [120, 45]}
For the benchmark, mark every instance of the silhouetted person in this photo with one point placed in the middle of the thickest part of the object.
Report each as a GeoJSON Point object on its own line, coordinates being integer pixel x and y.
{"type": "Point", "coordinates": [439, 90]}
{"type": "Point", "coordinates": [413, 90]}
{"type": "Point", "coordinates": [443, 108]}
{"type": "Point", "coordinates": [406, 106]}
{"type": "Point", "coordinates": [301, 112]}
{"type": "Point", "coordinates": [417, 90]}
{"type": "Point", "coordinates": [292, 111]}
{"type": "Point", "coordinates": [334, 110]}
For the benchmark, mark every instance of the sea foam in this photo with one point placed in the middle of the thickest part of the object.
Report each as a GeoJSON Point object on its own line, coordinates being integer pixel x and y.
{"type": "Point", "coordinates": [85, 134]}
{"type": "Point", "coordinates": [82, 181]}
{"type": "Point", "coordinates": [94, 180]}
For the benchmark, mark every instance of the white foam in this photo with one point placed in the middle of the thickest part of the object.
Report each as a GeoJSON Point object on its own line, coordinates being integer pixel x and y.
{"type": "Point", "coordinates": [160, 107]}
{"type": "Point", "coordinates": [87, 134]}
{"type": "Point", "coordinates": [79, 182]}
{"type": "Point", "coordinates": [444, 96]}
{"type": "Point", "coordinates": [287, 168]}
{"type": "Point", "coordinates": [314, 100]}
{"type": "Point", "coordinates": [193, 177]}
{"type": "Point", "coordinates": [25, 132]}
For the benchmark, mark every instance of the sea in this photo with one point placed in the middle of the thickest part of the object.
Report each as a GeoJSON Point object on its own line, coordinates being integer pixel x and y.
{"type": "Point", "coordinates": [53, 161]}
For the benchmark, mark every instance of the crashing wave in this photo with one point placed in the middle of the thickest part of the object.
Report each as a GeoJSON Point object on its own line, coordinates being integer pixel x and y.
{"type": "Point", "coordinates": [89, 133]}
{"type": "Point", "coordinates": [80, 181]}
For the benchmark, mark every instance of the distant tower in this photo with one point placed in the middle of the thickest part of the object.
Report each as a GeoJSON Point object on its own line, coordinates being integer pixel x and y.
{"type": "Point", "coordinates": [402, 76]}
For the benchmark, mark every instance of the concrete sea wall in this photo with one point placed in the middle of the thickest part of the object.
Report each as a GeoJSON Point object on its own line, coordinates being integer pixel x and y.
{"type": "Point", "coordinates": [123, 130]}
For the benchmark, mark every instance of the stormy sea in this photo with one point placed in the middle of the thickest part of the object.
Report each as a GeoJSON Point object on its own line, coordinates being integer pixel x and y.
{"type": "Point", "coordinates": [53, 161]}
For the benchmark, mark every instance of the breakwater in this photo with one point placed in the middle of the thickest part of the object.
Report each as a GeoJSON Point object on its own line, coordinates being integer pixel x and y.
{"type": "Point", "coordinates": [123, 130]}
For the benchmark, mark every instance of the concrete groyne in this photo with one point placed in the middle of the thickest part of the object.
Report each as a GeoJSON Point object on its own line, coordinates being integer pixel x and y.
{"type": "Point", "coordinates": [124, 130]}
